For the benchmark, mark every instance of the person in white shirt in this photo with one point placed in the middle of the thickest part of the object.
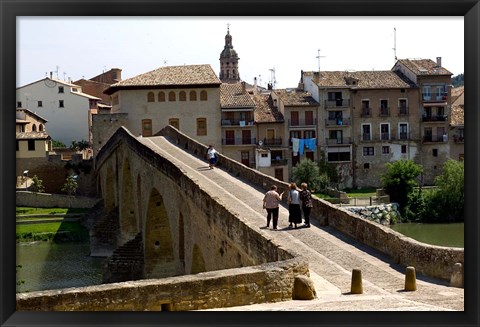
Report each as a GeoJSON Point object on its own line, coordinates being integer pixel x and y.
{"type": "Point", "coordinates": [211, 156]}
{"type": "Point", "coordinates": [295, 214]}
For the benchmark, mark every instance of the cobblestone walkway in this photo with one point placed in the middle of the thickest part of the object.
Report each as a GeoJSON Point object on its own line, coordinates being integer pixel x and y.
{"type": "Point", "coordinates": [332, 255]}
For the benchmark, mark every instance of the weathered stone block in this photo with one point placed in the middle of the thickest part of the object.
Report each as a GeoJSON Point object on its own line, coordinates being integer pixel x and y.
{"type": "Point", "coordinates": [303, 288]}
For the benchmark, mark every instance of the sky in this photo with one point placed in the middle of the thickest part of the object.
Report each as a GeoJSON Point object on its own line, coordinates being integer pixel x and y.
{"type": "Point", "coordinates": [272, 49]}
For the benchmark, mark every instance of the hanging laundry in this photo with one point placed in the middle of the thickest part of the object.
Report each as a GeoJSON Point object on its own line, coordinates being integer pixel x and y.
{"type": "Point", "coordinates": [301, 146]}
{"type": "Point", "coordinates": [295, 146]}
{"type": "Point", "coordinates": [311, 144]}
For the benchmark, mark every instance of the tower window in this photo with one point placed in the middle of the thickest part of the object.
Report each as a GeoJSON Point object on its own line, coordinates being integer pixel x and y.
{"type": "Point", "coordinates": [171, 96]}
{"type": "Point", "coordinates": [203, 96]}
{"type": "Point", "coordinates": [193, 96]}
{"type": "Point", "coordinates": [150, 97]}
{"type": "Point", "coordinates": [182, 96]}
{"type": "Point", "coordinates": [161, 96]}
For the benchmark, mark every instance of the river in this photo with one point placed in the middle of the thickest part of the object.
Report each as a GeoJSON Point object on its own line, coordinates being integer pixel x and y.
{"type": "Point", "coordinates": [48, 265]}
{"type": "Point", "coordinates": [451, 235]}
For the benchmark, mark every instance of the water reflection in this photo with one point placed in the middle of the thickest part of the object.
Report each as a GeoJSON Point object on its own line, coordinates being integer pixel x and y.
{"type": "Point", "coordinates": [48, 266]}
{"type": "Point", "coordinates": [451, 235]}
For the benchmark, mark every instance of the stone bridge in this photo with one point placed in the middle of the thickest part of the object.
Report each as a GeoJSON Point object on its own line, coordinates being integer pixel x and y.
{"type": "Point", "coordinates": [193, 238]}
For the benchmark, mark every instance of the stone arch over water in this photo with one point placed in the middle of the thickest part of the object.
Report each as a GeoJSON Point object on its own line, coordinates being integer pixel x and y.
{"type": "Point", "coordinates": [158, 244]}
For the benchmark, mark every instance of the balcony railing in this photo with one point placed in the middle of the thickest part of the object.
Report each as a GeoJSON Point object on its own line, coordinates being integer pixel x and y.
{"type": "Point", "coordinates": [302, 122]}
{"type": "Point", "coordinates": [403, 111]}
{"type": "Point", "coordinates": [435, 138]}
{"type": "Point", "coordinates": [279, 162]}
{"type": "Point", "coordinates": [403, 136]}
{"type": "Point", "coordinates": [434, 97]}
{"type": "Point", "coordinates": [458, 139]}
{"type": "Point", "coordinates": [273, 142]}
{"type": "Point", "coordinates": [384, 112]}
{"type": "Point", "coordinates": [337, 122]}
{"type": "Point", "coordinates": [340, 103]}
{"type": "Point", "coordinates": [239, 141]}
{"type": "Point", "coordinates": [343, 140]}
{"type": "Point", "coordinates": [236, 122]}
{"type": "Point", "coordinates": [366, 112]}
{"type": "Point", "coordinates": [434, 118]}
{"type": "Point", "coordinates": [366, 137]}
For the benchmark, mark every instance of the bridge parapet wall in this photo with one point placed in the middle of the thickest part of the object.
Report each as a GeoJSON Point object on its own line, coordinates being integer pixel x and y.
{"type": "Point", "coordinates": [270, 282]}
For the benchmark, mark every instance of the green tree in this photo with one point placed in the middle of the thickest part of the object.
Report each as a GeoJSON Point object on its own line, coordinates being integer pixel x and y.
{"type": "Point", "coordinates": [451, 191]}
{"type": "Point", "coordinates": [70, 185]}
{"type": "Point", "coordinates": [37, 185]}
{"type": "Point", "coordinates": [80, 145]}
{"type": "Point", "coordinates": [308, 172]}
{"type": "Point", "coordinates": [58, 144]}
{"type": "Point", "coordinates": [400, 180]}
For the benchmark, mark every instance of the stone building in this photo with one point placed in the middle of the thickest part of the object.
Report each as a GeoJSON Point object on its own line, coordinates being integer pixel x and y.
{"type": "Point", "coordinates": [456, 130]}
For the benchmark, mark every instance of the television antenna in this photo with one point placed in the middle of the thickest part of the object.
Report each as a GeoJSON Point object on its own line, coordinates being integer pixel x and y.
{"type": "Point", "coordinates": [318, 57]}
{"type": "Point", "coordinates": [395, 43]}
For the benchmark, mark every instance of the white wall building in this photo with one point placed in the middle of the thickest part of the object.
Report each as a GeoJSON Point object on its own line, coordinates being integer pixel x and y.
{"type": "Point", "coordinates": [64, 105]}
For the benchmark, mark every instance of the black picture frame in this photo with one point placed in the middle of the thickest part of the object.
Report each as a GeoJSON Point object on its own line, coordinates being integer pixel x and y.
{"type": "Point", "coordinates": [10, 9]}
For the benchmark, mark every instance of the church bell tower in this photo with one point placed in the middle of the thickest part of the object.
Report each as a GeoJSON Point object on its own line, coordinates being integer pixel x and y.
{"type": "Point", "coordinates": [229, 61]}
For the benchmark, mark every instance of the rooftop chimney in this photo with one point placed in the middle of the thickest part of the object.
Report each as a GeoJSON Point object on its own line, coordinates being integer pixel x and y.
{"type": "Point", "coordinates": [51, 73]}
{"type": "Point", "coordinates": [243, 87]}
{"type": "Point", "coordinates": [439, 61]}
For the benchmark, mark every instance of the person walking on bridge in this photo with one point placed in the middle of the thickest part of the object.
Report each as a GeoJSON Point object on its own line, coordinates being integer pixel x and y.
{"type": "Point", "coordinates": [271, 201]}
{"type": "Point", "coordinates": [307, 203]}
{"type": "Point", "coordinates": [211, 156]}
{"type": "Point", "coordinates": [293, 200]}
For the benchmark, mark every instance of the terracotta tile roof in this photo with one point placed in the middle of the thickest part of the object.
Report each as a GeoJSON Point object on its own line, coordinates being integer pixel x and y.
{"type": "Point", "coordinates": [457, 94]}
{"type": "Point", "coordinates": [293, 97]}
{"type": "Point", "coordinates": [233, 96]}
{"type": "Point", "coordinates": [32, 136]}
{"type": "Point", "coordinates": [170, 76]}
{"type": "Point", "coordinates": [265, 112]}
{"type": "Point", "coordinates": [424, 67]}
{"type": "Point", "coordinates": [381, 79]}
{"type": "Point", "coordinates": [458, 116]}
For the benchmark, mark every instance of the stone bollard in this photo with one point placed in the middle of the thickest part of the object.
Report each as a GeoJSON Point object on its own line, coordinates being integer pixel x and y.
{"type": "Point", "coordinates": [303, 288]}
{"type": "Point", "coordinates": [456, 280]}
{"type": "Point", "coordinates": [410, 279]}
{"type": "Point", "coordinates": [356, 287]}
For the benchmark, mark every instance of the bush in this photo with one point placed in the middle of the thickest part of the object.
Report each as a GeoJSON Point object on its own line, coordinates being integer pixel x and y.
{"type": "Point", "coordinates": [308, 172]}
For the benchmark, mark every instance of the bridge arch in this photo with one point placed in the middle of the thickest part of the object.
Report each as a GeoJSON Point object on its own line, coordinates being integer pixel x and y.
{"type": "Point", "coordinates": [158, 242]}
{"type": "Point", "coordinates": [139, 203]}
{"type": "Point", "coordinates": [109, 189]}
{"type": "Point", "coordinates": [198, 262]}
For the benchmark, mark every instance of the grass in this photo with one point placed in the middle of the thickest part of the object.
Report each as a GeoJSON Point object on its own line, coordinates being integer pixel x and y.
{"type": "Point", "coordinates": [48, 211]}
{"type": "Point", "coordinates": [51, 232]}
{"type": "Point", "coordinates": [361, 193]}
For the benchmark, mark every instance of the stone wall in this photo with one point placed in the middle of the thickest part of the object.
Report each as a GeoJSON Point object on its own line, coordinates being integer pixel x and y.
{"type": "Point", "coordinates": [272, 282]}
{"type": "Point", "coordinates": [46, 200]}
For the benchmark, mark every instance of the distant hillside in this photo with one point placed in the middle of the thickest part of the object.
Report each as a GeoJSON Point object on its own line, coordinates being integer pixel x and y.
{"type": "Point", "coordinates": [457, 80]}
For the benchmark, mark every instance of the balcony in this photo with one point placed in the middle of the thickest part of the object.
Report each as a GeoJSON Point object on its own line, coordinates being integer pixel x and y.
{"type": "Point", "coordinates": [279, 162]}
{"type": "Point", "coordinates": [302, 122]}
{"type": "Point", "coordinates": [435, 97]}
{"type": "Point", "coordinates": [239, 141]}
{"type": "Point", "coordinates": [236, 122]}
{"type": "Point", "coordinates": [343, 140]}
{"type": "Point", "coordinates": [403, 136]}
{"type": "Point", "coordinates": [337, 122]}
{"type": "Point", "coordinates": [384, 112]}
{"type": "Point", "coordinates": [273, 142]}
{"type": "Point", "coordinates": [436, 118]}
{"type": "Point", "coordinates": [458, 139]}
{"type": "Point", "coordinates": [435, 138]}
{"type": "Point", "coordinates": [403, 111]}
{"type": "Point", "coordinates": [366, 137]}
{"type": "Point", "coordinates": [337, 104]}
{"type": "Point", "coordinates": [366, 112]}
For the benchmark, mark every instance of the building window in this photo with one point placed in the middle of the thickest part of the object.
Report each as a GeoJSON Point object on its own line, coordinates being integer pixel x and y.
{"type": "Point", "coordinates": [31, 145]}
{"type": "Point", "coordinates": [368, 151]}
{"type": "Point", "coordinates": [60, 89]}
{"type": "Point", "coordinates": [384, 132]}
{"type": "Point", "coordinates": [203, 96]}
{"type": "Point", "coordinates": [366, 132]}
{"type": "Point", "coordinates": [403, 131]}
{"type": "Point", "coordinates": [404, 149]}
{"type": "Point", "coordinates": [309, 134]}
{"type": "Point", "coordinates": [39, 104]}
{"type": "Point", "coordinates": [19, 104]}
{"type": "Point", "coordinates": [174, 122]}
{"type": "Point", "coordinates": [366, 165]}
{"type": "Point", "coordinates": [193, 96]}
{"type": "Point", "coordinates": [161, 96]}
{"type": "Point", "coordinates": [146, 127]}
{"type": "Point", "coordinates": [182, 96]}
{"type": "Point", "coordinates": [18, 145]}
{"type": "Point", "coordinates": [40, 128]}
{"type": "Point", "coordinates": [338, 156]}
{"type": "Point", "coordinates": [201, 126]}
{"type": "Point", "coordinates": [171, 96]}
{"type": "Point", "coordinates": [34, 128]}
{"type": "Point", "coordinates": [61, 104]}
{"type": "Point", "coordinates": [385, 149]}
{"type": "Point", "coordinates": [435, 152]}
{"type": "Point", "coordinates": [150, 97]}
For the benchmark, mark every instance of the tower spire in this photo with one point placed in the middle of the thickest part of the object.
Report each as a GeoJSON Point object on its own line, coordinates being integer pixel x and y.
{"type": "Point", "coordinates": [229, 61]}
